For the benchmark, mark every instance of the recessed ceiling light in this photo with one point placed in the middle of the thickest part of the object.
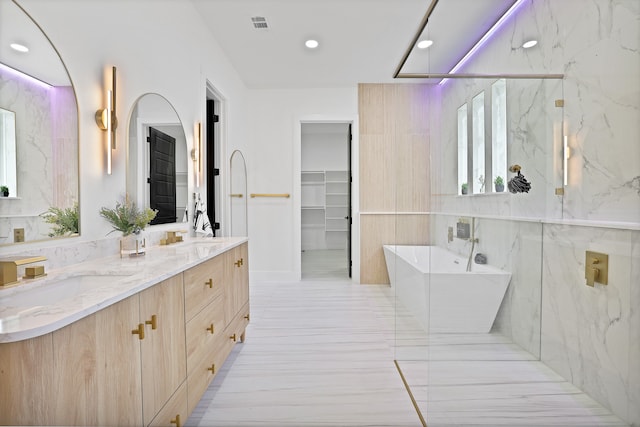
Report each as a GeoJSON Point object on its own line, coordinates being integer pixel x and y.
{"type": "Point", "coordinates": [19, 47]}
{"type": "Point", "coordinates": [529, 43]}
{"type": "Point", "coordinates": [311, 44]}
{"type": "Point", "coordinates": [423, 44]}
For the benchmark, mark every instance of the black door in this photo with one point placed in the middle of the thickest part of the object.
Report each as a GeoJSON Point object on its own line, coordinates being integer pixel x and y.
{"type": "Point", "coordinates": [212, 172]}
{"type": "Point", "coordinates": [162, 176]}
{"type": "Point", "coordinates": [349, 216]}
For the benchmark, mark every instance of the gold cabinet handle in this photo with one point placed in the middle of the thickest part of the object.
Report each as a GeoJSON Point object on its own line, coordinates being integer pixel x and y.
{"type": "Point", "coordinates": [238, 263]}
{"type": "Point", "coordinates": [139, 332]}
{"type": "Point", "coordinates": [246, 316]}
{"type": "Point", "coordinates": [153, 322]}
{"type": "Point", "coordinates": [233, 337]}
{"type": "Point", "coordinates": [176, 420]}
{"type": "Point", "coordinates": [212, 368]}
{"type": "Point", "coordinates": [209, 283]}
{"type": "Point", "coordinates": [210, 328]}
{"type": "Point", "coordinates": [241, 261]}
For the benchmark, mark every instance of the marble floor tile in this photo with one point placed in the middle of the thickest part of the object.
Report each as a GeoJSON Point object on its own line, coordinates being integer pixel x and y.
{"type": "Point", "coordinates": [321, 353]}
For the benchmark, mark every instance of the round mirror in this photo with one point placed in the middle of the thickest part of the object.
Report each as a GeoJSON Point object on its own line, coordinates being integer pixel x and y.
{"type": "Point", "coordinates": [38, 135]}
{"type": "Point", "coordinates": [157, 174]}
{"type": "Point", "coordinates": [238, 169]}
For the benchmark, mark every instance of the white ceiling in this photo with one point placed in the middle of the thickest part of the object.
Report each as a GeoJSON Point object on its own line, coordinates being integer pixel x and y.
{"type": "Point", "coordinates": [361, 41]}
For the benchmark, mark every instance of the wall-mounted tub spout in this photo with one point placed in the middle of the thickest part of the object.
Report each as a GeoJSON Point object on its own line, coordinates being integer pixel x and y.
{"type": "Point", "coordinates": [474, 240]}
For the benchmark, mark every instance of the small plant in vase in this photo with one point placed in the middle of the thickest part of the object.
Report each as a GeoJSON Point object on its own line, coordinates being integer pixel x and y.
{"type": "Point", "coordinates": [127, 218]}
{"type": "Point", "coordinates": [464, 188]}
{"type": "Point", "coordinates": [64, 221]}
{"type": "Point", "coordinates": [4, 191]}
{"type": "Point", "coordinates": [499, 184]}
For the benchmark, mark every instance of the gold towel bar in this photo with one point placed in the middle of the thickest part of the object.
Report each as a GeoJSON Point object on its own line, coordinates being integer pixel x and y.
{"type": "Point", "coordinates": [239, 195]}
{"type": "Point", "coordinates": [285, 195]}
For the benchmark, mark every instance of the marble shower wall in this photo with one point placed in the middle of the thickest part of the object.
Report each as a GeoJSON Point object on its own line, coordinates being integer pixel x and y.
{"type": "Point", "coordinates": [46, 154]}
{"type": "Point", "coordinates": [591, 336]}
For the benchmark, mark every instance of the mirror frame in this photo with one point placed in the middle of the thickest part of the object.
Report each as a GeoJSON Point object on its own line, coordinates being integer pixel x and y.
{"type": "Point", "coordinates": [142, 199]}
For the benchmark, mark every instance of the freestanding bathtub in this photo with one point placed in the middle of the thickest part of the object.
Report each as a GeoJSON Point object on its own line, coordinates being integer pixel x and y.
{"type": "Point", "coordinates": [435, 287]}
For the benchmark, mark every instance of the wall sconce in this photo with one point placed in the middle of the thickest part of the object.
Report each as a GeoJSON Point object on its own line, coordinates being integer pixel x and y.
{"type": "Point", "coordinates": [107, 120]}
{"type": "Point", "coordinates": [196, 152]}
{"type": "Point", "coordinates": [566, 152]}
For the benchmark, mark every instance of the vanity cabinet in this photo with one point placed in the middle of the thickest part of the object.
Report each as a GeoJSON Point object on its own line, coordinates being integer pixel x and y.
{"type": "Point", "coordinates": [236, 282]}
{"type": "Point", "coordinates": [143, 361]}
{"type": "Point", "coordinates": [96, 368]}
{"type": "Point", "coordinates": [163, 353]}
{"type": "Point", "coordinates": [210, 332]}
{"type": "Point", "coordinates": [26, 380]}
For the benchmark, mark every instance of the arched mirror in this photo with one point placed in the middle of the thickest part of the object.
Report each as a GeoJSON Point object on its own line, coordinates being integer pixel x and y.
{"type": "Point", "coordinates": [238, 193]}
{"type": "Point", "coordinates": [157, 174]}
{"type": "Point", "coordinates": [38, 135]}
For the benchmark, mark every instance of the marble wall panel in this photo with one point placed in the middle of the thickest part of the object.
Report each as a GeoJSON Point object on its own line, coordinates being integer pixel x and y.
{"type": "Point", "coordinates": [586, 330]}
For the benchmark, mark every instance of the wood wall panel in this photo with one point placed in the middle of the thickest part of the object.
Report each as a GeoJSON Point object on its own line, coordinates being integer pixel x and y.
{"type": "Point", "coordinates": [394, 167]}
{"type": "Point", "coordinates": [379, 230]}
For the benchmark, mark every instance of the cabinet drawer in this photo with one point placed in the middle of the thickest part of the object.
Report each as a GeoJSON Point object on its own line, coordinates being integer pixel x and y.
{"type": "Point", "coordinates": [202, 332]}
{"type": "Point", "coordinates": [205, 370]}
{"type": "Point", "coordinates": [175, 412]}
{"type": "Point", "coordinates": [238, 325]}
{"type": "Point", "coordinates": [202, 284]}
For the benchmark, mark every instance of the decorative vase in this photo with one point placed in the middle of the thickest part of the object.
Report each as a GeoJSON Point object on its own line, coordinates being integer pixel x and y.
{"type": "Point", "coordinates": [133, 245]}
{"type": "Point", "coordinates": [464, 190]}
{"type": "Point", "coordinates": [499, 188]}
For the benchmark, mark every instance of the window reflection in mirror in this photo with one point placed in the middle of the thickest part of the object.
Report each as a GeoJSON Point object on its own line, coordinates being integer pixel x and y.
{"type": "Point", "coordinates": [157, 174]}
{"type": "Point", "coordinates": [8, 151]}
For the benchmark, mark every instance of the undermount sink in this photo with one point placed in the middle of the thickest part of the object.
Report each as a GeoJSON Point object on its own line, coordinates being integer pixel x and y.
{"type": "Point", "coordinates": [60, 290]}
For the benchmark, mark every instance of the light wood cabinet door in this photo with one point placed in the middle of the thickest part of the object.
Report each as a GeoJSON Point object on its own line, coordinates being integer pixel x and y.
{"type": "Point", "coordinates": [25, 381]}
{"type": "Point", "coordinates": [175, 412]}
{"type": "Point", "coordinates": [163, 352]}
{"type": "Point", "coordinates": [236, 280]}
{"type": "Point", "coordinates": [96, 368]}
{"type": "Point", "coordinates": [202, 284]}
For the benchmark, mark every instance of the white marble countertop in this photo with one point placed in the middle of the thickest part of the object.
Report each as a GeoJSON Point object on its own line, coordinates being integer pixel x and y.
{"type": "Point", "coordinates": [35, 307]}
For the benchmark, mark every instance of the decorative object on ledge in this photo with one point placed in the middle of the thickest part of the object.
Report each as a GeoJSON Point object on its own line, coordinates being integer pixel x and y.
{"type": "Point", "coordinates": [107, 120]}
{"type": "Point", "coordinates": [65, 221]}
{"type": "Point", "coordinates": [499, 184]}
{"type": "Point", "coordinates": [4, 191]}
{"type": "Point", "coordinates": [464, 188]}
{"type": "Point", "coordinates": [128, 219]}
{"type": "Point", "coordinates": [518, 184]}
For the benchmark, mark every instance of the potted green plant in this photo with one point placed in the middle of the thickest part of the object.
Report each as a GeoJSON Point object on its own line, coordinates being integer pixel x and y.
{"type": "Point", "coordinates": [64, 220]}
{"type": "Point", "coordinates": [464, 188]}
{"type": "Point", "coordinates": [4, 191]}
{"type": "Point", "coordinates": [127, 218]}
{"type": "Point", "coordinates": [499, 184]}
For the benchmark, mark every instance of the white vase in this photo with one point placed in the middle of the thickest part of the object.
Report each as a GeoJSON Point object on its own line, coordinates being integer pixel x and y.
{"type": "Point", "coordinates": [133, 245]}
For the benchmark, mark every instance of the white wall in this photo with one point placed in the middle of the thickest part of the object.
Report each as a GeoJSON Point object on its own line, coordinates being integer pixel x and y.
{"type": "Point", "coordinates": [273, 166]}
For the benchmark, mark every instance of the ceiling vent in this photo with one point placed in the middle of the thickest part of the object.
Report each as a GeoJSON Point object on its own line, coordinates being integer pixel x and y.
{"type": "Point", "coordinates": [259, 23]}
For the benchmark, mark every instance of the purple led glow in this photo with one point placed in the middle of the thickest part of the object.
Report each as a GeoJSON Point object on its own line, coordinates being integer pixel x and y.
{"type": "Point", "coordinates": [23, 76]}
{"type": "Point", "coordinates": [485, 38]}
